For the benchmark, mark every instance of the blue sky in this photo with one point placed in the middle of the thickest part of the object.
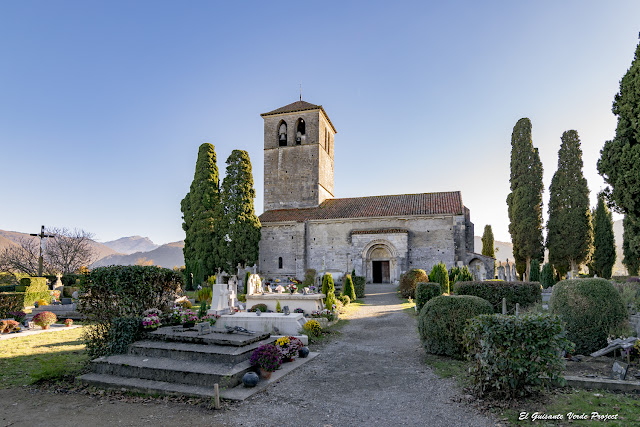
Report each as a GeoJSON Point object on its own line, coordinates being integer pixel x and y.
{"type": "Point", "coordinates": [103, 104]}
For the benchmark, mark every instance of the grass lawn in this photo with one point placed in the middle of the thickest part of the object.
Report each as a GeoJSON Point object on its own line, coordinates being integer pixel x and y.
{"type": "Point", "coordinates": [48, 355]}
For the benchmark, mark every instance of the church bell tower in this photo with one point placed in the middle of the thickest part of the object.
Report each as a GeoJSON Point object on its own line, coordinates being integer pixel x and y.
{"type": "Point", "coordinates": [298, 156]}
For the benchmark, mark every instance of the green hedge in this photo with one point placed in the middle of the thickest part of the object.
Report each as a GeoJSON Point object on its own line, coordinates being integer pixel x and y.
{"type": "Point", "coordinates": [409, 280]}
{"type": "Point", "coordinates": [515, 356]}
{"type": "Point", "coordinates": [358, 286]}
{"type": "Point", "coordinates": [11, 301]}
{"type": "Point", "coordinates": [440, 275]}
{"type": "Point", "coordinates": [35, 288]}
{"type": "Point", "coordinates": [68, 291]}
{"type": "Point", "coordinates": [591, 309]}
{"type": "Point", "coordinates": [442, 320]}
{"type": "Point", "coordinates": [120, 291]}
{"type": "Point", "coordinates": [8, 288]}
{"type": "Point", "coordinates": [524, 293]}
{"type": "Point", "coordinates": [425, 292]}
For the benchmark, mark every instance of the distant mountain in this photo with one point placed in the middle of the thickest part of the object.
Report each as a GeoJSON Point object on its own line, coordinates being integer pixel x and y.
{"type": "Point", "coordinates": [168, 256]}
{"type": "Point", "coordinates": [9, 238]}
{"type": "Point", "coordinates": [504, 250]}
{"type": "Point", "coordinates": [130, 245]}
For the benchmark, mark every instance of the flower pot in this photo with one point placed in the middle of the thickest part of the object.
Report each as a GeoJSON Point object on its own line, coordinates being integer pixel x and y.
{"type": "Point", "coordinates": [45, 327]}
{"type": "Point", "coordinates": [265, 374]}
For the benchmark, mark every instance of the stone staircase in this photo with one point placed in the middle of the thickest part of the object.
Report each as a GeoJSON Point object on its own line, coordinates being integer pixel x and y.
{"type": "Point", "coordinates": [172, 361]}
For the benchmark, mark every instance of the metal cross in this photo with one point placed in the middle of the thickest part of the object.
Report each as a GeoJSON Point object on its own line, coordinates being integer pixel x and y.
{"type": "Point", "coordinates": [42, 236]}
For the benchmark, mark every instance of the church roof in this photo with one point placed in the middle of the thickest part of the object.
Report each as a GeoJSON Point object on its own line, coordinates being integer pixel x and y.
{"type": "Point", "coordinates": [446, 203]}
{"type": "Point", "coordinates": [299, 106]}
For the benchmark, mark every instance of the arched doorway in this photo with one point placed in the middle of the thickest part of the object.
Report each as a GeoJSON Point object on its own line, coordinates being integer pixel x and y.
{"type": "Point", "coordinates": [380, 262]}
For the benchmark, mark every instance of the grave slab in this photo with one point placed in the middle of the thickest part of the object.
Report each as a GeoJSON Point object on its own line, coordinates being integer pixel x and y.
{"type": "Point", "coordinates": [276, 323]}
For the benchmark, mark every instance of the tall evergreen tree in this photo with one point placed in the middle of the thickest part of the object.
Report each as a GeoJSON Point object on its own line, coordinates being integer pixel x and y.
{"type": "Point", "coordinates": [202, 215]}
{"type": "Point", "coordinates": [487, 242]}
{"type": "Point", "coordinates": [604, 245]}
{"type": "Point", "coordinates": [619, 162]}
{"type": "Point", "coordinates": [534, 273]}
{"type": "Point", "coordinates": [631, 244]}
{"type": "Point", "coordinates": [569, 229]}
{"type": "Point", "coordinates": [240, 220]}
{"type": "Point", "coordinates": [525, 199]}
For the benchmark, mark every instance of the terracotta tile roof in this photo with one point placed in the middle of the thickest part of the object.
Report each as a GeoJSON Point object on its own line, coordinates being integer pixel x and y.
{"type": "Point", "coordinates": [449, 203]}
{"type": "Point", "coordinates": [293, 107]}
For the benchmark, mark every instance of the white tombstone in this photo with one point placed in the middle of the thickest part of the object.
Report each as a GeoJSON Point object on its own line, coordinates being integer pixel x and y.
{"type": "Point", "coordinates": [58, 284]}
{"type": "Point", "coordinates": [255, 285]}
{"type": "Point", "coordinates": [232, 294]}
{"type": "Point", "coordinates": [233, 283]}
{"type": "Point", "coordinates": [220, 299]}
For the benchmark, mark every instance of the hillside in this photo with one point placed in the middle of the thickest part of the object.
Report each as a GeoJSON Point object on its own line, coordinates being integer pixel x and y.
{"type": "Point", "coordinates": [130, 245]}
{"type": "Point", "coordinates": [168, 256]}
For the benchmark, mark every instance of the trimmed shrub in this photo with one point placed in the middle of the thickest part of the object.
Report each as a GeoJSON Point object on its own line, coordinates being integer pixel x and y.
{"type": "Point", "coordinates": [515, 356]}
{"type": "Point", "coordinates": [534, 271]}
{"type": "Point", "coordinates": [120, 291]}
{"type": "Point", "coordinates": [358, 286]}
{"type": "Point", "coordinates": [11, 301]}
{"type": "Point", "coordinates": [8, 288]}
{"type": "Point", "coordinates": [457, 274]}
{"type": "Point", "coordinates": [35, 288]}
{"type": "Point", "coordinates": [591, 308]}
{"type": "Point", "coordinates": [547, 278]}
{"type": "Point", "coordinates": [124, 331]}
{"type": "Point", "coordinates": [409, 280]}
{"type": "Point", "coordinates": [246, 282]}
{"type": "Point", "coordinates": [328, 288]}
{"type": "Point", "coordinates": [425, 292]}
{"type": "Point", "coordinates": [440, 275]}
{"type": "Point", "coordinates": [442, 320]}
{"type": "Point", "coordinates": [278, 307]}
{"type": "Point", "coordinates": [344, 299]}
{"type": "Point", "coordinates": [348, 290]}
{"type": "Point", "coordinates": [523, 293]}
{"type": "Point", "coordinates": [261, 307]}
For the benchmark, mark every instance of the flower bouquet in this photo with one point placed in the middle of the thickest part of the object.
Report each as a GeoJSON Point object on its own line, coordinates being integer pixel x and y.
{"type": "Point", "coordinates": [288, 347]}
{"type": "Point", "coordinates": [292, 288]}
{"type": "Point", "coordinates": [68, 322]}
{"type": "Point", "coordinates": [298, 310]}
{"type": "Point", "coordinates": [188, 318]}
{"type": "Point", "coordinates": [18, 316]}
{"type": "Point", "coordinates": [267, 359]}
{"type": "Point", "coordinates": [45, 319]}
{"type": "Point", "coordinates": [152, 321]}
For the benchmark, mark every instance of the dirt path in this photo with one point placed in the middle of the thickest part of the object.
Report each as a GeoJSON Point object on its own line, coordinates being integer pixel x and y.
{"type": "Point", "coordinates": [373, 375]}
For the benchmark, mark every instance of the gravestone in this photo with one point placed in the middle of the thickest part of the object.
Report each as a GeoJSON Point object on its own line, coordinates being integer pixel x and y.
{"type": "Point", "coordinates": [255, 285]}
{"type": "Point", "coordinates": [220, 300]}
{"type": "Point", "coordinates": [619, 370]}
{"type": "Point", "coordinates": [233, 284]}
{"type": "Point", "coordinates": [58, 285]}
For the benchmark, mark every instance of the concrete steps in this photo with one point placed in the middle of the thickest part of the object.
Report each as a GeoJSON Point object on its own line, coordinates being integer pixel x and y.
{"type": "Point", "coordinates": [230, 355]}
{"type": "Point", "coordinates": [172, 371]}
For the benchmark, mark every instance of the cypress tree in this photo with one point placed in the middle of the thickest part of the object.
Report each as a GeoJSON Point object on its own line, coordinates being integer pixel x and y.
{"type": "Point", "coordinates": [202, 215]}
{"type": "Point", "coordinates": [631, 244]}
{"type": "Point", "coordinates": [604, 245]}
{"type": "Point", "coordinates": [241, 224]}
{"type": "Point", "coordinates": [619, 162]}
{"type": "Point", "coordinates": [546, 276]}
{"type": "Point", "coordinates": [348, 288]}
{"type": "Point", "coordinates": [487, 242]}
{"type": "Point", "coordinates": [535, 271]}
{"type": "Point", "coordinates": [525, 199]}
{"type": "Point", "coordinates": [569, 229]}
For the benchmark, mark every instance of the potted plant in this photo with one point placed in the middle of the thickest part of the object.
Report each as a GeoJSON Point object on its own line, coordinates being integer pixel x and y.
{"type": "Point", "coordinates": [288, 347]}
{"type": "Point", "coordinates": [68, 322]}
{"type": "Point", "coordinates": [18, 316]}
{"type": "Point", "coordinates": [266, 358]}
{"type": "Point", "coordinates": [45, 319]}
{"type": "Point", "coordinates": [292, 288]}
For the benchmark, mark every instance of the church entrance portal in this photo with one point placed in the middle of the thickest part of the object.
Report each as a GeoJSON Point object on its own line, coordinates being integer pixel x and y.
{"type": "Point", "coordinates": [380, 271]}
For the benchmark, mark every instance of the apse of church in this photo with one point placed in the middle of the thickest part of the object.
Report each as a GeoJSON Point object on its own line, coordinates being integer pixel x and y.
{"type": "Point", "coordinates": [304, 226]}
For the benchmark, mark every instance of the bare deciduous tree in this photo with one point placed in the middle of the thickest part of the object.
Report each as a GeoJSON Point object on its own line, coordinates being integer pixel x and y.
{"type": "Point", "coordinates": [66, 253]}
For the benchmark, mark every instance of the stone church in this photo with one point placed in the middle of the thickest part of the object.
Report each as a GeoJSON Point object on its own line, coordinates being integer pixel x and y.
{"type": "Point", "coordinates": [304, 226]}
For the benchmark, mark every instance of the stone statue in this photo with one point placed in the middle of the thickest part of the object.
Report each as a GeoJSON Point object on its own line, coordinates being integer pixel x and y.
{"type": "Point", "coordinates": [255, 285]}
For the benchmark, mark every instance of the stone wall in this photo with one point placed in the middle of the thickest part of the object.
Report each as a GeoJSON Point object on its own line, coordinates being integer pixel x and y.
{"type": "Point", "coordinates": [344, 245]}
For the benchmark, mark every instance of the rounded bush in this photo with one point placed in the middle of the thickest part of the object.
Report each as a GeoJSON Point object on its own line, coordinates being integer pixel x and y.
{"type": "Point", "coordinates": [425, 292]}
{"type": "Point", "coordinates": [344, 299]}
{"type": "Point", "coordinates": [312, 327]}
{"type": "Point", "coordinates": [409, 280]}
{"type": "Point", "coordinates": [442, 320]}
{"type": "Point", "coordinates": [261, 307]}
{"type": "Point", "coordinates": [45, 319]}
{"type": "Point", "coordinates": [349, 290]}
{"type": "Point", "coordinates": [591, 308]}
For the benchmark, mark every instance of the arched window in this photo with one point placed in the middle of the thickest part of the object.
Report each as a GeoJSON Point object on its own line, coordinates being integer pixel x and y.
{"type": "Point", "coordinates": [300, 131]}
{"type": "Point", "coordinates": [282, 134]}
{"type": "Point", "coordinates": [280, 262]}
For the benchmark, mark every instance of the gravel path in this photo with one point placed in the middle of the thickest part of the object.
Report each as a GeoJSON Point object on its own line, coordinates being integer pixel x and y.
{"type": "Point", "coordinates": [373, 375]}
